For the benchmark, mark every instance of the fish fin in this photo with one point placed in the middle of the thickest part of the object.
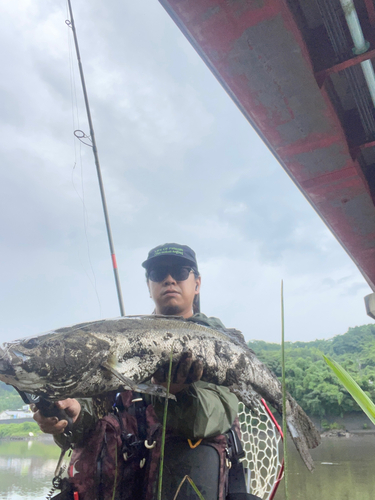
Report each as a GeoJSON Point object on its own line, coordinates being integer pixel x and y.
{"type": "Point", "coordinates": [125, 380]}
{"type": "Point", "coordinates": [152, 389]}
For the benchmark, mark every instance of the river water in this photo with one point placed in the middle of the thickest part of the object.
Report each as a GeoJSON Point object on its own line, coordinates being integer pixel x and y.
{"type": "Point", "coordinates": [26, 469]}
{"type": "Point", "coordinates": [345, 470]}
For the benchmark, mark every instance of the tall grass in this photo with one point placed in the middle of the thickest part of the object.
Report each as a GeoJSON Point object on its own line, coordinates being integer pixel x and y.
{"type": "Point", "coordinates": [162, 446]}
{"type": "Point", "coordinates": [192, 484]}
{"type": "Point", "coordinates": [284, 395]}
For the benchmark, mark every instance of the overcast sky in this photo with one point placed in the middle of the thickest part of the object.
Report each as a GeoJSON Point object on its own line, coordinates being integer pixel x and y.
{"type": "Point", "coordinates": [179, 163]}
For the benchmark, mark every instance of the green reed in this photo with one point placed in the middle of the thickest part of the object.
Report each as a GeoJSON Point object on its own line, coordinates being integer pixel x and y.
{"type": "Point", "coordinates": [193, 485]}
{"type": "Point", "coordinates": [162, 446]}
{"type": "Point", "coordinates": [284, 395]}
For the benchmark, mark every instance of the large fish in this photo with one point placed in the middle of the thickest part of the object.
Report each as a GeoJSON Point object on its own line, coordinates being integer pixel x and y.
{"type": "Point", "coordinates": [94, 358]}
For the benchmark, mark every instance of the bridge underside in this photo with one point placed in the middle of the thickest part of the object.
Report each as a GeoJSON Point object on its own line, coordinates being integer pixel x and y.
{"type": "Point", "coordinates": [289, 67]}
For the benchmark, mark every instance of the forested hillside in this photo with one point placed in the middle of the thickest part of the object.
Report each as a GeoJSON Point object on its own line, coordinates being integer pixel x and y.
{"type": "Point", "coordinates": [309, 379]}
{"type": "Point", "coordinates": [9, 398]}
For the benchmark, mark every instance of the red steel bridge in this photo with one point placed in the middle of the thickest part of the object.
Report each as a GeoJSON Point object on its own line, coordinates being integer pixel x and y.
{"type": "Point", "coordinates": [301, 72]}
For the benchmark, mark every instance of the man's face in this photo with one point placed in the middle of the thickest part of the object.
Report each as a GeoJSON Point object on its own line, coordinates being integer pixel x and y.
{"type": "Point", "coordinates": [173, 297]}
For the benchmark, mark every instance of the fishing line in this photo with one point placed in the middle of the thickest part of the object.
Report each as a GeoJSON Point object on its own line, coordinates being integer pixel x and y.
{"type": "Point", "coordinates": [71, 25]}
{"type": "Point", "coordinates": [85, 226]}
{"type": "Point", "coordinates": [73, 89]}
{"type": "Point", "coordinates": [75, 120]}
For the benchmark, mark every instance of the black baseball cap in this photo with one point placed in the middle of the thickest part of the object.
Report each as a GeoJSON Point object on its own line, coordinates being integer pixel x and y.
{"type": "Point", "coordinates": [174, 250]}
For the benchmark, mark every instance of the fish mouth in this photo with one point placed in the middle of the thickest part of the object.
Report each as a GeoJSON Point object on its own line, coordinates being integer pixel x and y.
{"type": "Point", "coordinates": [4, 363]}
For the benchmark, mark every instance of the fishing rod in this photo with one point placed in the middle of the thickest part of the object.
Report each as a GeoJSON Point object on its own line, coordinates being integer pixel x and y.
{"type": "Point", "coordinates": [48, 408]}
{"type": "Point", "coordinates": [80, 135]}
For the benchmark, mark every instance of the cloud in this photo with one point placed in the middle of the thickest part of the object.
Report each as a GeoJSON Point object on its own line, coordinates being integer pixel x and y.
{"type": "Point", "coordinates": [179, 163]}
{"type": "Point", "coordinates": [355, 289]}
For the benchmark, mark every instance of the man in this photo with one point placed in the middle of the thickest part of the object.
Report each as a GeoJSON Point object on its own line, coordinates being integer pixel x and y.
{"type": "Point", "coordinates": [201, 410]}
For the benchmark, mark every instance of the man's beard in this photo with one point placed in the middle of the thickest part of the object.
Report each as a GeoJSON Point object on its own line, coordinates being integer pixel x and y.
{"type": "Point", "coordinates": [171, 311]}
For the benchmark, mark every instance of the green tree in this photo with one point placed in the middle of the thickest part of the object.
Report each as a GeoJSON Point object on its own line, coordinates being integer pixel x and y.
{"type": "Point", "coordinates": [308, 378]}
{"type": "Point", "coordinates": [9, 398]}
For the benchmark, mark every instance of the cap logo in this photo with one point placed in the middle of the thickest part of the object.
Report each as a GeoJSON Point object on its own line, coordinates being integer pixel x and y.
{"type": "Point", "coordinates": [169, 250]}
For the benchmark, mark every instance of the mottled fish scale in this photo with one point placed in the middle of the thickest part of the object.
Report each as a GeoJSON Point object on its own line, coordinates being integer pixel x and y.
{"type": "Point", "coordinates": [94, 358]}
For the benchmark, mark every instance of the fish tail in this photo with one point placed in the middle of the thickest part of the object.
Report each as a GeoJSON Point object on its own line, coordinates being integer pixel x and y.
{"type": "Point", "coordinates": [303, 432]}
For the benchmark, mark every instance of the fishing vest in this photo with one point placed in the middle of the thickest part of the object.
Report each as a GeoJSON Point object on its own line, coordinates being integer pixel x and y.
{"type": "Point", "coordinates": [120, 460]}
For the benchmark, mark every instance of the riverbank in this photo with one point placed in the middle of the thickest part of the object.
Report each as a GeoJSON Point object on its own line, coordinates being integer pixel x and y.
{"type": "Point", "coordinates": [40, 438]}
{"type": "Point", "coordinates": [22, 430]}
{"type": "Point", "coordinates": [353, 422]}
{"type": "Point", "coordinates": [15, 420]}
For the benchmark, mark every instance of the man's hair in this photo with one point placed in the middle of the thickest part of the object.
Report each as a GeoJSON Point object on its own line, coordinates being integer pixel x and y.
{"type": "Point", "coordinates": [196, 304]}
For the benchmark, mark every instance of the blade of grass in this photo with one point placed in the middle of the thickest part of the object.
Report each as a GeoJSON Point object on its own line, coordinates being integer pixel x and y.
{"type": "Point", "coordinates": [193, 485]}
{"type": "Point", "coordinates": [195, 488]}
{"type": "Point", "coordinates": [162, 446]}
{"type": "Point", "coordinates": [353, 388]}
{"type": "Point", "coordinates": [284, 395]}
{"type": "Point", "coordinates": [179, 487]}
{"type": "Point", "coordinates": [115, 480]}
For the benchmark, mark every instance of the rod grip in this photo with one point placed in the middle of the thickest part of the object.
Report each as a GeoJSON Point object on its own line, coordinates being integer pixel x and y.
{"type": "Point", "coordinates": [47, 409]}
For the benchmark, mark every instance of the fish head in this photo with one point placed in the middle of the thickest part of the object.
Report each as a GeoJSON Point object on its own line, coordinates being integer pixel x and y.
{"type": "Point", "coordinates": [53, 365]}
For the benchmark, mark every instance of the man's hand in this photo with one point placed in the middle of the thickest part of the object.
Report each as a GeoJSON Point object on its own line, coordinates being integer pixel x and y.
{"type": "Point", "coordinates": [186, 372]}
{"type": "Point", "coordinates": [51, 425]}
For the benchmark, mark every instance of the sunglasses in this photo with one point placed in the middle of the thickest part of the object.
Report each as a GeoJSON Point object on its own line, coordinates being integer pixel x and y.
{"type": "Point", "coordinates": [180, 273]}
